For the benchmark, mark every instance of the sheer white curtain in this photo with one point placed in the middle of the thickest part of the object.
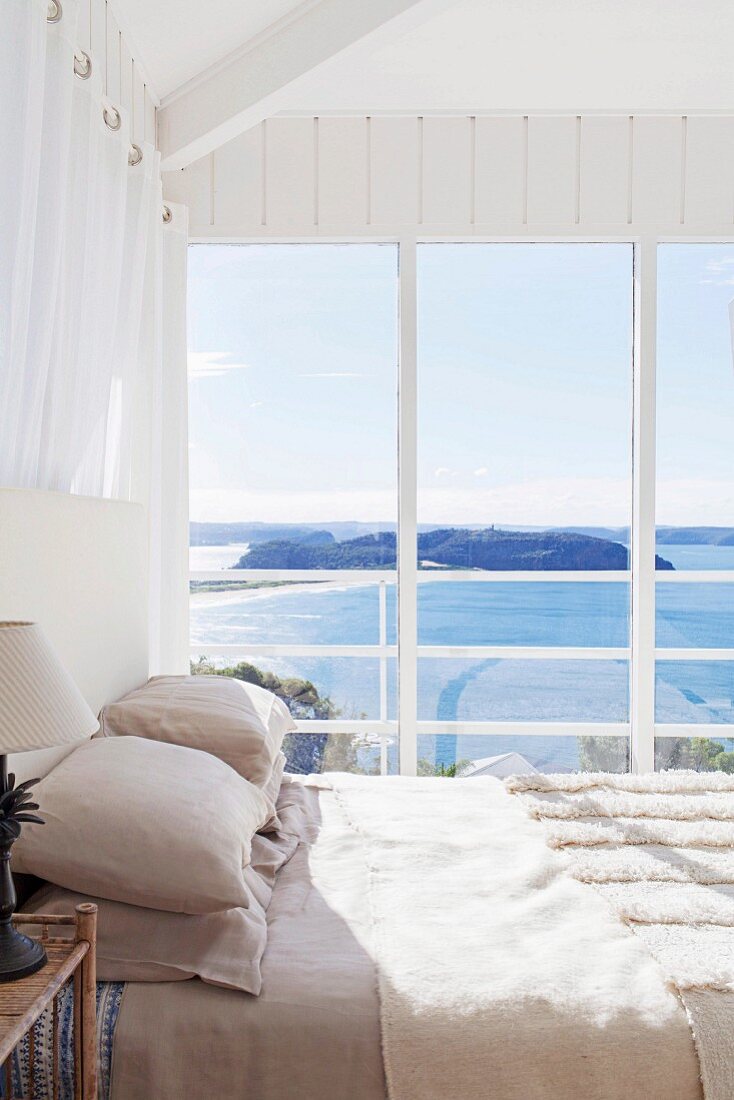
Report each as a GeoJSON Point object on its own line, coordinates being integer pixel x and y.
{"type": "Point", "coordinates": [75, 227]}
{"type": "Point", "coordinates": [169, 505]}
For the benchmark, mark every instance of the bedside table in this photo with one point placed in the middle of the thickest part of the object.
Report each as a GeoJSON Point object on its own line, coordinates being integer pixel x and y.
{"type": "Point", "coordinates": [22, 1002]}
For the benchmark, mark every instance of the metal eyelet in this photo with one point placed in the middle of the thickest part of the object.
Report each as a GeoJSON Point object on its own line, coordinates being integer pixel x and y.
{"type": "Point", "coordinates": [55, 11]}
{"type": "Point", "coordinates": [135, 155]}
{"type": "Point", "coordinates": [112, 118]}
{"type": "Point", "coordinates": [82, 65]}
{"type": "Point", "coordinates": [167, 214]}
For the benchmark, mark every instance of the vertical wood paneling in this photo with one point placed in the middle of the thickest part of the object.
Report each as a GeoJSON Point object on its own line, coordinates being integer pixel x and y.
{"type": "Point", "coordinates": [289, 173]}
{"type": "Point", "coordinates": [238, 182]}
{"type": "Point", "coordinates": [197, 187]}
{"type": "Point", "coordinates": [176, 187]}
{"type": "Point", "coordinates": [342, 171]}
{"type": "Point", "coordinates": [98, 13]}
{"type": "Point", "coordinates": [126, 83]}
{"type": "Point", "coordinates": [149, 117]}
{"type": "Point", "coordinates": [709, 178]}
{"type": "Point", "coordinates": [113, 59]}
{"type": "Point", "coordinates": [604, 170]}
{"type": "Point", "coordinates": [552, 176]}
{"type": "Point", "coordinates": [138, 121]}
{"type": "Point", "coordinates": [394, 171]}
{"type": "Point", "coordinates": [83, 39]}
{"type": "Point", "coordinates": [656, 170]}
{"type": "Point", "coordinates": [499, 170]}
{"type": "Point", "coordinates": [447, 170]}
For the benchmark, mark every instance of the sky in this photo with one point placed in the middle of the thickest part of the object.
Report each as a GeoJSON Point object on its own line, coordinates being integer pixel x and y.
{"type": "Point", "coordinates": [525, 383]}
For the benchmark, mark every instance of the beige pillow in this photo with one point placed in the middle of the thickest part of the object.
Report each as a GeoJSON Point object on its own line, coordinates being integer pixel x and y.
{"type": "Point", "coordinates": [271, 791]}
{"type": "Point", "coordinates": [242, 724]}
{"type": "Point", "coordinates": [148, 945]}
{"type": "Point", "coordinates": [147, 824]}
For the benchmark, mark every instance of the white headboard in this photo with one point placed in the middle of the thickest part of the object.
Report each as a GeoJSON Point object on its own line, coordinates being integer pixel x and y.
{"type": "Point", "coordinates": [78, 566]}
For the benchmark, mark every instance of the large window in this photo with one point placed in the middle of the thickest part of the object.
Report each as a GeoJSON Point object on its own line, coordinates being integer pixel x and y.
{"type": "Point", "coordinates": [524, 502]}
{"type": "Point", "coordinates": [695, 507]}
{"type": "Point", "coordinates": [293, 468]}
{"type": "Point", "coordinates": [495, 521]}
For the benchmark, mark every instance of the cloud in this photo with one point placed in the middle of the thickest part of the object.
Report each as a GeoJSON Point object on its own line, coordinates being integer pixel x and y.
{"type": "Point", "coordinates": [212, 364]}
{"type": "Point", "coordinates": [552, 502]}
{"type": "Point", "coordinates": [722, 272]}
{"type": "Point", "coordinates": [333, 374]}
{"type": "Point", "coordinates": [256, 404]}
{"type": "Point", "coordinates": [481, 472]}
{"type": "Point", "coordinates": [442, 471]}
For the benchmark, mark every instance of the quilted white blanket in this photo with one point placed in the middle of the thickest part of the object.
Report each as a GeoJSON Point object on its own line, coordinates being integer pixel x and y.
{"type": "Point", "coordinates": [501, 975]}
{"type": "Point", "coordinates": [660, 850]}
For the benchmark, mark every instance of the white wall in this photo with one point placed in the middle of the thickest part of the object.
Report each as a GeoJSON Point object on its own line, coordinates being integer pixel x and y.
{"type": "Point", "coordinates": [516, 175]}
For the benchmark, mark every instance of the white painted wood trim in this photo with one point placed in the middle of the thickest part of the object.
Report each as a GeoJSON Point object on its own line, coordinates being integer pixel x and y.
{"type": "Point", "coordinates": [642, 680]}
{"type": "Point", "coordinates": [407, 508]}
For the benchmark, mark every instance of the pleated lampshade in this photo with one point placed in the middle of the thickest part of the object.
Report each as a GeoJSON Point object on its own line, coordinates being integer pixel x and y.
{"type": "Point", "coordinates": [40, 705]}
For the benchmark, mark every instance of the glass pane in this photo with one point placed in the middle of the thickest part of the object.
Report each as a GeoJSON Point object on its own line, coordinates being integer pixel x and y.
{"type": "Point", "coordinates": [317, 688]}
{"type": "Point", "coordinates": [293, 405]}
{"type": "Point", "coordinates": [702, 754]}
{"type": "Point", "coordinates": [522, 691]}
{"type": "Point", "coordinates": [277, 612]}
{"type": "Point", "coordinates": [524, 464]}
{"type": "Point", "coordinates": [523, 613]}
{"type": "Point", "coordinates": [695, 406]}
{"type": "Point", "coordinates": [693, 615]}
{"type": "Point", "coordinates": [694, 692]}
{"type": "Point", "coordinates": [525, 415]}
{"type": "Point", "coordinates": [314, 753]}
{"type": "Point", "coordinates": [504, 755]}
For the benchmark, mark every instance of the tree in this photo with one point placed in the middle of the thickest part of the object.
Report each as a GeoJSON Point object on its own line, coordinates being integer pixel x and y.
{"type": "Point", "coordinates": [305, 753]}
{"type": "Point", "coordinates": [603, 754]}
{"type": "Point", "coordinates": [445, 771]}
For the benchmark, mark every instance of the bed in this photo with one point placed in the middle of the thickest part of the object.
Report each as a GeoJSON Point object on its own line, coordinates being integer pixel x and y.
{"type": "Point", "coordinates": [424, 939]}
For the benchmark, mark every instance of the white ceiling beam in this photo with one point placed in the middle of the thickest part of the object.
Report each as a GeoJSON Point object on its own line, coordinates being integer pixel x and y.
{"type": "Point", "coordinates": [254, 82]}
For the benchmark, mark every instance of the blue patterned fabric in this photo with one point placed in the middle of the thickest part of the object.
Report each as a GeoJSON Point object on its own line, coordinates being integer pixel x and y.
{"type": "Point", "coordinates": [109, 996]}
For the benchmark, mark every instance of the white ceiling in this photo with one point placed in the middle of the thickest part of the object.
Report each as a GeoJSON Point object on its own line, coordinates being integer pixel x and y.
{"type": "Point", "coordinates": [481, 55]}
{"type": "Point", "coordinates": [177, 39]}
{"type": "Point", "coordinates": [555, 55]}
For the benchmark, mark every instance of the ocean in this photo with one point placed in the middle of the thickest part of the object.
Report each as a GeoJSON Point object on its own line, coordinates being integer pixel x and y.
{"type": "Point", "coordinates": [523, 614]}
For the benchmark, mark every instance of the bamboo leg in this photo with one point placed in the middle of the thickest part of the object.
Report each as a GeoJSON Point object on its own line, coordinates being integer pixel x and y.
{"type": "Point", "coordinates": [87, 930]}
{"type": "Point", "coordinates": [8, 1076]}
{"type": "Point", "coordinates": [77, 1034]}
{"type": "Point", "coordinates": [55, 1050]}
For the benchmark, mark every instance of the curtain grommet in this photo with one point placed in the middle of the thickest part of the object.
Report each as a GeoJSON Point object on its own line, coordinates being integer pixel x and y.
{"type": "Point", "coordinates": [167, 214]}
{"type": "Point", "coordinates": [55, 11]}
{"type": "Point", "coordinates": [135, 155]}
{"type": "Point", "coordinates": [112, 118]}
{"type": "Point", "coordinates": [82, 65]}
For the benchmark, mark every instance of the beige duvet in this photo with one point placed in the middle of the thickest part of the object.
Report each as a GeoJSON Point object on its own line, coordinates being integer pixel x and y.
{"type": "Point", "coordinates": [498, 977]}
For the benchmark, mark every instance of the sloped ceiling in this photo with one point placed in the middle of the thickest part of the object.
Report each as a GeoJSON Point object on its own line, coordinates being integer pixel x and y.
{"type": "Point", "coordinates": [558, 55]}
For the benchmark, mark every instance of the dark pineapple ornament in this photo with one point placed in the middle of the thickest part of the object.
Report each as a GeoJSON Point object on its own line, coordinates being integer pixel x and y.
{"type": "Point", "coordinates": [19, 955]}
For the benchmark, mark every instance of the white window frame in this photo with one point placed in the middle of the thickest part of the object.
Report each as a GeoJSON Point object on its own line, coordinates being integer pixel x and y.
{"type": "Point", "coordinates": [642, 653]}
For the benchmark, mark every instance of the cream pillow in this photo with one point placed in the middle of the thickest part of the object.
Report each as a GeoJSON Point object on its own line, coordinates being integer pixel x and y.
{"type": "Point", "coordinates": [148, 945]}
{"type": "Point", "coordinates": [242, 724]}
{"type": "Point", "coordinates": [145, 823]}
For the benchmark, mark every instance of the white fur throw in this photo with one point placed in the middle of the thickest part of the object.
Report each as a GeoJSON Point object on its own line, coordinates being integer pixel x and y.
{"type": "Point", "coordinates": [499, 974]}
{"type": "Point", "coordinates": [660, 850]}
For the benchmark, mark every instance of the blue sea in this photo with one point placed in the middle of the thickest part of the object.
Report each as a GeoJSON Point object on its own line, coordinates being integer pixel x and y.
{"type": "Point", "coordinates": [503, 614]}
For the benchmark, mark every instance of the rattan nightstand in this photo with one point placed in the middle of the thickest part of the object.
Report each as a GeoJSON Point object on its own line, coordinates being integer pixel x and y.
{"type": "Point", "coordinates": [22, 1002]}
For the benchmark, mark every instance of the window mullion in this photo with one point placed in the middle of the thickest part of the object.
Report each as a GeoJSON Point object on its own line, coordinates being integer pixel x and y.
{"type": "Point", "coordinates": [642, 748]}
{"type": "Point", "coordinates": [408, 511]}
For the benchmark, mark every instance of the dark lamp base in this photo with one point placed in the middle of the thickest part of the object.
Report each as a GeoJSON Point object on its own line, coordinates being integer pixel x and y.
{"type": "Point", "coordinates": [20, 956]}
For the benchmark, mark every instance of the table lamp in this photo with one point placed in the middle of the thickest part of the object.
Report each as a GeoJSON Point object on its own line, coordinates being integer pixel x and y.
{"type": "Point", "coordinates": [40, 706]}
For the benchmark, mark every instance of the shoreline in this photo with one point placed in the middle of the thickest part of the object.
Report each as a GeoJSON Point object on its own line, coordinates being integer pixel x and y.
{"type": "Point", "coordinates": [224, 598]}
